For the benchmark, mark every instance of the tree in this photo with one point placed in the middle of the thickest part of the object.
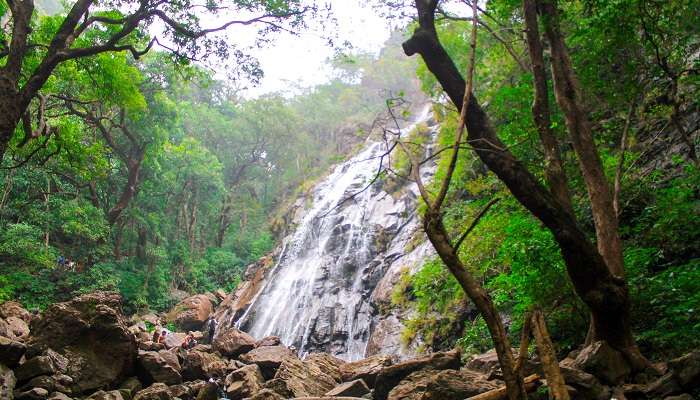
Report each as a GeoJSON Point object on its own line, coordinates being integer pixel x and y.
{"type": "Point", "coordinates": [31, 56]}
{"type": "Point", "coordinates": [604, 293]}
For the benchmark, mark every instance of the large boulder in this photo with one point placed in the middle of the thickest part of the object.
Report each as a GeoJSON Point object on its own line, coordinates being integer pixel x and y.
{"type": "Point", "coordinates": [604, 362]}
{"type": "Point", "coordinates": [159, 366]}
{"type": "Point", "coordinates": [11, 351]}
{"type": "Point", "coordinates": [191, 313]}
{"type": "Point", "coordinates": [187, 390]}
{"type": "Point", "coordinates": [92, 333]}
{"type": "Point", "coordinates": [586, 385]}
{"type": "Point", "coordinates": [13, 309]}
{"type": "Point", "coordinates": [210, 391]}
{"type": "Point", "coordinates": [232, 342]}
{"type": "Point", "coordinates": [295, 378]}
{"type": "Point", "coordinates": [269, 341]}
{"type": "Point", "coordinates": [330, 365]}
{"type": "Point", "coordinates": [111, 395]}
{"type": "Point", "coordinates": [7, 382]}
{"type": "Point", "coordinates": [447, 384]}
{"type": "Point", "coordinates": [366, 369]}
{"type": "Point", "coordinates": [200, 364]}
{"type": "Point", "coordinates": [174, 339]}
{"type": "Point", "coordinates": [390, 376]}
{"type": "Point", "coordinates": [268, 358]}
{"type": "Point", "coordinates": [244, 382]}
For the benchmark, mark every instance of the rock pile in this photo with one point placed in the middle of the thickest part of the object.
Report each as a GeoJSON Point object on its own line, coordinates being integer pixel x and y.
{"type": "Point", "coordinates": [85, 349]}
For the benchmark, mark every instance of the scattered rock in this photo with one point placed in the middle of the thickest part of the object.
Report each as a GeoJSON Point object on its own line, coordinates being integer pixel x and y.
{"type": "Point", "coordinates": [11, 351]}
{"type": "Point", "coordinates": [447, 384]}
{"type": "Point", "coordinates": [390, 376]}
{"type": "Point", "coordinates": [366, 369]}
{"type": "Point", "coordinates": [232, 342]}
{"type": "Point", "coordinates": [684, 396]}
{"type": "Point", "coordinates": [157, 391]}
{"type": "Point", "coordinates": [356, 388]}
{"type": "Point", "coordinates": [162, 366]}
{"type": "Point", "coordinates": [18, 327]}
{"type": "Point", "coordinates": [295, 378]}
{"type": "Point", "coordinates": [585, 384]}
{"type": "Point", "coordinates": [132, 384]}
{"type": "Point", "coordinates": [14, 309]}
{"type": "Point", "coordinates": [32, 394]}
{"type": "Point", "coordinates": [604, 362]}
{"type": "Point", "coordinates": [200, 364]}
{"type": "Point", "coordinates": [269, 341]}
{"type": "Point", "coordinates": [111, 395]}
{"type": "Point", "coordinates": [244, 382]}
{"type": "Point", "coordinates": [187, 390]}
{"type": "Point", "coordinates": [48, 363]}
{"type": "Point", "coordinates": [686, 369]}
{"type": "Point", "coordinates": [220, 295]}
{"type": "Point", "coordinates": [268, 358]}
{"type": "Point", "coordinates": [267, 394]}
{"type": "Point", "coordinates": [92, 333]}
{"type": "Point", "coordinates": [330, 365]}
{"type": "Point", "coordinates": [59, 396]}
{"type": "Point", "coordinates": [663, 387]}
{"type": "Point", "coordinates": [210, 391]}
{"type": "Point", "coordinates": [191, 313]}
{"type": "Point", "coordinates": [174, 339]}
{"type": "Point", "coordinates": [7, 382]}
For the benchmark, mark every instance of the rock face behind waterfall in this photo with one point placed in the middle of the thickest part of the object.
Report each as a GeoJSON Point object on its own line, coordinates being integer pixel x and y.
{"type": "Point", "coordinates": [322, 289]}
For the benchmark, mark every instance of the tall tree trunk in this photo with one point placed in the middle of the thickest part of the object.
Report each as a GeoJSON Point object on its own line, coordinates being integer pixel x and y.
{"type": "Point", "coordinates": [554, 170]}
{"type": "Point", "coordinates": [569, 96]}
{"type": "Point", "coordinates": [10, 113]}
{"type": "Point", "coordinates": [606, 295]}
{"type": "Point", "coordinates": [129, 190]}
{"type": "Point", "coordinates": [141, 243]}
{"type": "Point", "coordinates": [118, 235]}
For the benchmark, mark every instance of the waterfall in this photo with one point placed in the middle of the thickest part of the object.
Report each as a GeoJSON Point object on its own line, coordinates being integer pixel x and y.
{"type": "Point", "coordinates": [317, 297]}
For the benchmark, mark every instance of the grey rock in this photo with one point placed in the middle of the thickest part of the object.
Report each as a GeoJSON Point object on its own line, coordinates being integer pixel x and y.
{"type": "Point", "coordinates": [356, 388]}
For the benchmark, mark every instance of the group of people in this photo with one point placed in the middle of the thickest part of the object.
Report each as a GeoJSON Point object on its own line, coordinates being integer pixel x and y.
{"type": "Point", "coordinates": [159, 336]}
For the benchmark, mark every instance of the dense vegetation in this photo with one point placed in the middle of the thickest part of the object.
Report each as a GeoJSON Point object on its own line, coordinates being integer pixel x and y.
{"type": "Point", "coordinates": [638, 64]}
{"type": "Point", "coordinates": [159, 178]}
{"type": "Point", "coordinates": [151, 175]}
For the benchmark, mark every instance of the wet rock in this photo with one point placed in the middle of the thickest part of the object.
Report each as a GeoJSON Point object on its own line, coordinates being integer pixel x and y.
{"type": "Point", "coordinates": [191, 313]}
{"type": "Point", "coordinates": [604, 362]}
{"type": "Point", "coordinates": [92, 333]}
{"type": "Point", "coordinates": [157, 391]}
{"type": "Point", "coordinates": [162, 366]}
{"type": "Point", "coordinates": [11, 351]}
{"type": "Point", "coordinates": [356, 388]}
{"type": "Point", "coordinates": [7, 382]}
{"type": "Point", "coordinates": [13, 309]}
{"type": "Point", "coordinates": [295, 378]}
{"type": "Point", "coordinates": [447, 384]}
{"type": "Point", "coordinates": [48, 363]}
{"type": "Point", "coordinates": [269, 341]}
{"type": "Point", "coordinates": [330, 365]}
{"type": "Point", "coordinates": [686, 369]}
{"type": "Point", "coordinates": [390, 376]}
{"type": "Point", "coordinates": [32, 394]}
{"type": "Point", "coordinates": [268, 358]}
{"type": "Point", "coordinates": [586, 385]}
{"type": "Point", "coordinates": [366, 369]}
{"type": "Point", "coordinates": [244, 382]}
{"type": "Point", "coordinates": [199, 364]}
{"type": "Point", "coordinates": [232, 342]}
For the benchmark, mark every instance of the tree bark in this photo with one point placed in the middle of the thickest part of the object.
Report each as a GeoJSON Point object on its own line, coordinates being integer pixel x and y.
{"type": "Point", "coordinates": [550, 365]}
{"type": "Point", "coordinates": [133, 166]}
{"type": "Point", "coordinates": [606, 295]}
{"type": "Point", "coordinates": [554, 170]}
{"type": "Point", "coordinates": [567, 90]}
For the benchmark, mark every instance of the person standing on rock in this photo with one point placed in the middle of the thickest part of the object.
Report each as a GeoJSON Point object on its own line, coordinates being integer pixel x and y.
{"type": "Point", "coordinates": [212, 329]}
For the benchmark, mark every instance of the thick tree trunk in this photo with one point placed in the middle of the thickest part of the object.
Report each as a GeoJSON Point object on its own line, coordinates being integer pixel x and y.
{"type": "Point", "coordinates": [568, 93]}
{"type": "Point", "coordinates": [554, 170]}
{"type": "Point", "coordinates": [606, 295]}
{"type": "Point", "coordinates": [10, 114]}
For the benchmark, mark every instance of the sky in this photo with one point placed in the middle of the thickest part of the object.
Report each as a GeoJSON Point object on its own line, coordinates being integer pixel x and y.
{"type": "Point", "coordinates": [300, 61]}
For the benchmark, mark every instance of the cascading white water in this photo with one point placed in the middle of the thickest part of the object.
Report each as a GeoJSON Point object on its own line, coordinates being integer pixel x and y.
{"type": "Point", "coordinates": [317, 296]}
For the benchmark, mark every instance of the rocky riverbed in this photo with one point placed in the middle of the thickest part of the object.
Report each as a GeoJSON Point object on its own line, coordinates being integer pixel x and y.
{"type": "Point", "coordinates": [87, 348]}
